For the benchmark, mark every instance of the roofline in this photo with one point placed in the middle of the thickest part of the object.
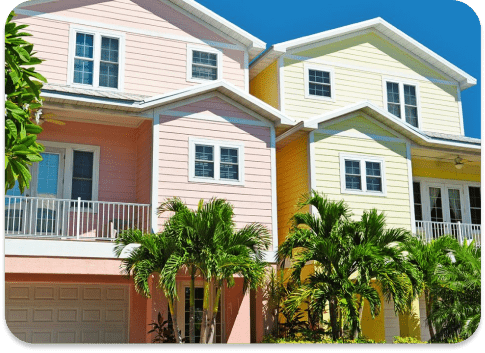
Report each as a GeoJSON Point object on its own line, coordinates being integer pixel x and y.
{"type": "Point", "coordinates": [411, 131]}
{"type": "Point", "coordinates": [378, 24]}
{"type": "Point", "coordinates": [255, 45]}
{"type": "Point", "coordinates": [167, 98]}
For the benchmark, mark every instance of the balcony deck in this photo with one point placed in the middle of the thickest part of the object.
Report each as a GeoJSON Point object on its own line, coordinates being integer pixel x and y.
{"type": "Point", "coordinates": [460, 231]}
{"type": "Point", "coordinates": [72, 219]}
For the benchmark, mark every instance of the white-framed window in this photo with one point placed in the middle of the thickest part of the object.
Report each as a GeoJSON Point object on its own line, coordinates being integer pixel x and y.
{"type": "Point", "coordinates": [203, 64]}
{"type": "Point", "coordinates": [96, 58]}
{"type": "Point", "coordinates": [79, 170]}
{"type": "Point", "coordinates": [213, 161]}
{"type": "Point", "coordinates": [319, 82]}
{"type": "Point", "coordinates": [361, 174]}
{"type": "Point", "coordinates": [401, 99]}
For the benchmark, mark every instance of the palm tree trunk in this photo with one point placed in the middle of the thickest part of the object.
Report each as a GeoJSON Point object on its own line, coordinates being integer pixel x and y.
{"type": "Point", "coordinates": [333, 317]}
{"type": "Point", "coordinates": [428, 302]}
{"type": "Point", "coordinates": [205, 309]}
{"type": "Point", "coordinates": [178, 337]}
{"type": "Point", "coordinates": [212, 320]}
{"type": "Point", "coordinates": [192, 306]}
{"type": "Point", "coordinates": [361, 311]}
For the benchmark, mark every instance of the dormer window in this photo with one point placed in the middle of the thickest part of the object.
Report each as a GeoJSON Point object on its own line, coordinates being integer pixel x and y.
{"type": "Point", "coordinates": [203, 64]}
{"type": "Point", "coordinates": [401, 100]}
{"type": "Point", "coordinates": [95, 59]}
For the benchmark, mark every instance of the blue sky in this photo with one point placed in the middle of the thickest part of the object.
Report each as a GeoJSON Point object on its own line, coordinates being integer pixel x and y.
{"type": "Point", "coordinates": [448, 27]}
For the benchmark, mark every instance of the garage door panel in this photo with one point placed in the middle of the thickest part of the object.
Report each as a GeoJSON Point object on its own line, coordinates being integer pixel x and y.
{"type": "Point", "coordinates": [67, 313]}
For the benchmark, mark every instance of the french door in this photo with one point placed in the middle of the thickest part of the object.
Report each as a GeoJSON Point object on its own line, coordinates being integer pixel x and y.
{"type": "Point", "coordinates": [41, 213]}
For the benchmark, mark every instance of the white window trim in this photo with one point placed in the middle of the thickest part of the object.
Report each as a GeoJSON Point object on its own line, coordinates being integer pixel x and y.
{"type": "Point", "coordinates": [96, 57]}
{"type": "Point", "coordinates": [331, 70]}
{"type": "Point", "coordinates": [463, 185]}
{"type": "Point", "coordinates": [362, 159]}
{"type": "Point", "coordinates": [68, 165]}
{"type": "Point", "coordinates": [190, 49]}
{"type": "Point", "coordinates": [401, 83]}
{"type": "Point", "coordinates": [217, 144]}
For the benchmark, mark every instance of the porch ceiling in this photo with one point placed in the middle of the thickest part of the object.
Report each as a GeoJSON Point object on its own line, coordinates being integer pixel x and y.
{"type": "Point", "coordinates": [444, 155]}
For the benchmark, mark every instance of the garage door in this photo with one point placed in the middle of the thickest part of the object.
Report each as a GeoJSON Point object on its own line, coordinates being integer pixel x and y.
{"type": "Point", "coordinates": [67, 313]}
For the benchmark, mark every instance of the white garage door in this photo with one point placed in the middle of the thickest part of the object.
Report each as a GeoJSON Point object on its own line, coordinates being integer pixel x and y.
{"type": "Point", "coordinates": [67, 313]}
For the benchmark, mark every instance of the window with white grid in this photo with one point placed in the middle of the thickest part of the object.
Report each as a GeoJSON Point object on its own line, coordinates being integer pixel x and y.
{"type": "Point", "coordinates": [216, 161]}
{"type": "Point", "coordinates": [319, 82]}
{"type": "Point", "coordinates": [362, 174]}
{"type": "Point", "coordinates": [95, 59]}
{"type": "Point", "coordinates": [203, 64]}
{"type": "Point", "coordinates": [401, 100]}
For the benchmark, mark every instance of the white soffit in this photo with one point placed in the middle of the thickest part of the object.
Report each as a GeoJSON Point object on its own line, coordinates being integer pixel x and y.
{"type": "Point", "coordinates": [379, 26]}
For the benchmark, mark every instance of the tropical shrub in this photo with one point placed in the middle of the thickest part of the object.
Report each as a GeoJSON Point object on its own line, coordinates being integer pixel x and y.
{"type": "Point", "coordinates": [163, 332]}
{"type": "Point", "coordinates": [22, 106]}
{"type": "Point", "coordinates": [399, 339]}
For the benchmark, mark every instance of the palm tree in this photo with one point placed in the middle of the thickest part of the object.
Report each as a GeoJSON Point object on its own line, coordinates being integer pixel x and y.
{"type": "Point", "coordinates": [151, 254]}
{"type": "Point", "coordinates": [455, 312]}
{"type": "Point", "coordinates": [323, 238]}
{"type": "Point", "coordinates": [398, 279]}
{"type": "Point", "coordinates": [427, 257]}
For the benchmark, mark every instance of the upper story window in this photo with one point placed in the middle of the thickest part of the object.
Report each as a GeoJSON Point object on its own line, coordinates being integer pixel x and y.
{"type": "Point", "coordinates": [203, 64]}
{"type": "Point", "coordinates": [96, 59]}
{"type": "Point", "coordinates": [362, 174]}
{"type": "Point", "coordinates": [319, 82]}
{"type": "Point", "coordinates": [216, 161]}
{"type": "Point", "coordinates": [401, 100]}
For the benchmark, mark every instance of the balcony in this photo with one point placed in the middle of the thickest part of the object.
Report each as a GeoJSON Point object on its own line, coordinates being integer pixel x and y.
{"type": "Point", "coordinates": [36, 217]}
{"type": "Point", "coordinates": [460, 231]}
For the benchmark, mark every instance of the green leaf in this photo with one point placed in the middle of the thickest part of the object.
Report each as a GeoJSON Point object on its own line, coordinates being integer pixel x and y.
{"type": "Point", "coordinates": [34, 158]}
{"type": "Point", "coordinates": [24, 172]}
{"type": "Point", "coordinates": [11, 127]}
{"type": "Point", "coordinates": [23, 54]}
{"type": "Point", "coordinates": [33, 129]}
{"type": "Point", "coordinates": [28, 140]}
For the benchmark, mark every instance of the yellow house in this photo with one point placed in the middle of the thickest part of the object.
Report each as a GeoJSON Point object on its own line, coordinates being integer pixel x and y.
{"type": "Point", "coordinates": [380, 125]}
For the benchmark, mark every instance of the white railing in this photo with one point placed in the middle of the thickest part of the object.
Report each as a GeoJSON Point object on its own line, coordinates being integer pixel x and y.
{"type": "Point", "coordinates": [72, 219]}
{"type": "Point", "coordinates": [460, 231]}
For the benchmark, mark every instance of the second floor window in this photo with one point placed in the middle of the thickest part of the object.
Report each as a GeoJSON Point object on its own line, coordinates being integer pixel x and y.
{"type": "Point", "coordinates": [203, 64]}
{"type": "Point", "coordinates": [319, 82]}
{"type": "Point", "coordinates": [362, 174]}
{"type": "Point", "coordinates": [402, 101]}
{"type": "Point", "coordinates": [96, 59]}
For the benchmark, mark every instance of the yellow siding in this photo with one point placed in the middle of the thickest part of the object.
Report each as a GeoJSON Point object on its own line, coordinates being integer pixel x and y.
{"type": "Point", "coordinates": [438, 102]}
{"type": "Point", "coordinates": [292, 181]}
{"type": "Point", "coordinates": [444, 170]}
{"type": "Point", "coordinates": [374, 328]}
{"type": "Point", "coordinates": [265, 85]}
{"type": "Point", "coordinates": [327, 163]}
{"type": "Point", "coordinates": [409, 323]}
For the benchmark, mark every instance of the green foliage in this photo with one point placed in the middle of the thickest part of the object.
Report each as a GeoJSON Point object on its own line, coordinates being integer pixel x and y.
{"type": "Point", "coordinates": [22, 102]}
{"type": "Point", "coordinates": [164, 333]}
{"type": "Point", "coordinates": [306, 339]}
{"type": "Point", "coordinates": [399, 339]}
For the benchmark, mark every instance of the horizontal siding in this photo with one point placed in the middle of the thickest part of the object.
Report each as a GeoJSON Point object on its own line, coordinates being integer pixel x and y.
{"type": "Point", "coordinates": [217, 107]}
{"type": "Point", "coordinates": [118, 155]}
{"type": "Point", "coordinates": [265, 85]}
{"type": "Point", "coordinates": [153, 65]}
{"type": "Point", "coordinates": [292, 181]}
{"type": "Point", "coordinates": [438, 102]}
{"type": "Point", "coordinates": [395, 204]}
{"type": "Point", "coordinates": [253, 201]}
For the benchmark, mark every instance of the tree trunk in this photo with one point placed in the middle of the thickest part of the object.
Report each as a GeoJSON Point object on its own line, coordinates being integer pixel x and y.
{"type": "Point", "coordinates": [192, 306]}
{"type": "Point", "coordinates": [333, 318]}
{"type": "Point", "coordinates": [178, 337]}
{"type": "Point", "coordinates": [212, 321]}
{"type": "Point", "coordinates": [203, 326]}
{"type": "Point", "coordinates": [355, 334]}
{"type": "Point", "coordinates": [428, 302]}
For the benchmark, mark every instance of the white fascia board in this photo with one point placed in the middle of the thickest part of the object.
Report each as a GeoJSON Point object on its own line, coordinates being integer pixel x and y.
{"type": "Point", "coordinates": [253, 44]}
{"type": "Point", "coordinates": [63, 248]}
{"type": "Point", "coordinates": [411, 133]}
{"type": "Point", "coordinates": [380, 25]}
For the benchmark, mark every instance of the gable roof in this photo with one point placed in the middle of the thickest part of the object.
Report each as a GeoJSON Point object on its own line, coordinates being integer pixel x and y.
{"type": "Point", "coordinates": [134, 103]}
{"type": "Point", "coordinates": [458, 143]}
{"type": "Point", "coordinates": [255, 46]}
{"type": "Point", "coordinates": [380, 27]}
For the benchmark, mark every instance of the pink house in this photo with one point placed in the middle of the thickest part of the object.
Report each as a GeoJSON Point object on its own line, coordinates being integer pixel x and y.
{"type": "Point", "coordinates": [154, 100]}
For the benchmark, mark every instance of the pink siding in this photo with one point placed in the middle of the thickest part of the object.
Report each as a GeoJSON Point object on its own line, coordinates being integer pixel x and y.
{"type": "Point", "coordinates": [144, 162]}
{"type": "Point", "coordinates": [217, 107]}
{"type": "Point", "coordinates": [252, 202]}
{"type": "Point", "coordinates": [153, 65]}
{"type": "Point", "coordinates": [118, 156]}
